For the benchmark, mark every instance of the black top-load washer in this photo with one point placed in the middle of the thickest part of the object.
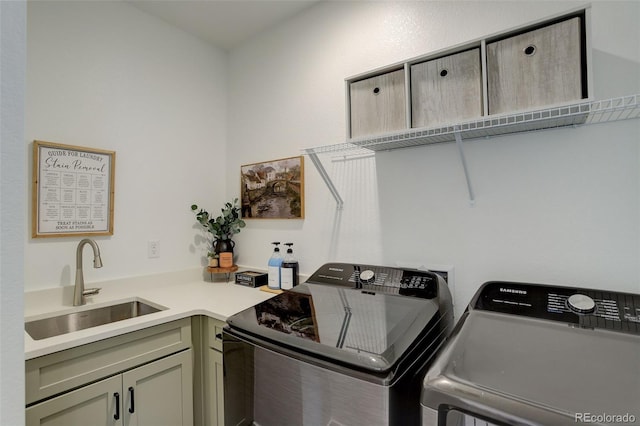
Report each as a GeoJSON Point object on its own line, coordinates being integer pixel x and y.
{"type": "Point", "coordinates": [348, 347]}
{"type": "Point", "coordinates": [532, 354]}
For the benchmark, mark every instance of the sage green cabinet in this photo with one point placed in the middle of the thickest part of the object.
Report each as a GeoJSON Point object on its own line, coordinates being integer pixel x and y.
{"type": "Point", "coordinates": [215, 378]}
{"type": "Point", "coordinates": [155, 394]}
{"type": "Point", "coordinates": [160, 393]}
{"type": "Point", "coordinates": [213, 370]}
{"type": "Point", "coordinates": [140, 378]}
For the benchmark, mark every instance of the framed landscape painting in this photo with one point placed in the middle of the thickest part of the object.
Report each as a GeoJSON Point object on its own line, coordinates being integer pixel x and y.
{"type": "Point", "coordinates": [273, 189]}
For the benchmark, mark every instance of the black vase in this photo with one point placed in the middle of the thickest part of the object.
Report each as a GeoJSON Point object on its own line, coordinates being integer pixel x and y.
{"type": "Point", "coordinates": [224, 246]}
{"type": "Point", "coordinates": [224, 249]}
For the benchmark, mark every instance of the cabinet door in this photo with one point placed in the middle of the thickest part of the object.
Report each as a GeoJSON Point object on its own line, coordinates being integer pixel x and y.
{"type": "Point", "coordinates": [446, 90]}
{"type": "Point", "coordinates": [160, 393]}
{"type": "Point", "coordinates": [214, 333]}
{"type": "Point", "coordinates": [96, 405]}
{"type": "Point", "coordinates": [378, 104]}
{"type": "Point", "coordinates": [214, 385]}
{"type": "Point", "coordinates": [535, 69]}
{"type": "Point", "coordinates": [214, 400]}
{"type": "Point", "coordinates": [238, 382]}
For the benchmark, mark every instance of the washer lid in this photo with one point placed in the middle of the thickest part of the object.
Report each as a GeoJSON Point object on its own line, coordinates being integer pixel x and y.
{"type": "Point", "coordinates": [363, 328]}
{"type": "Point", "coordinates": [550, 365]}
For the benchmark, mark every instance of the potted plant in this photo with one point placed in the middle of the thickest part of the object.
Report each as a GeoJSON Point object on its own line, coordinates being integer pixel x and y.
{"type": "Point", "coordinates": [223, 228]}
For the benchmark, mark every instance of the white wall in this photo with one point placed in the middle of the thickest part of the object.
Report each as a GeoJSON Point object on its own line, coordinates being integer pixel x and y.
{"type": "Point", "coordinates": [557, 206]}
{"type": "Point", "coordinates": [554, 206]}
{"type": "Point", "coordinates": [106, 75]}
{"type": "Point", "coordinates": [13, 19]}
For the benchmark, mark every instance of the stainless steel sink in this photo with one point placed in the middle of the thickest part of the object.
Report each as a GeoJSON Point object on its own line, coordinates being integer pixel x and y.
{"type": "Point", "coordinates": [74, 321]}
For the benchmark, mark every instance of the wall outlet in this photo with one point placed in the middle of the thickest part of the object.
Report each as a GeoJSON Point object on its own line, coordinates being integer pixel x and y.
{"type": "Point", "coordinates": [153, 249]}
{"type": "Point", "coordinates": [447, 272]}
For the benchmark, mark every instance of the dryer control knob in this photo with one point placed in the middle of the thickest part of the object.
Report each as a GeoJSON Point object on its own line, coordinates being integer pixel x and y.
{"type": "Point", "coordinates": [581, 303]}
{"type": "Point", "coordinates": [367, 276]}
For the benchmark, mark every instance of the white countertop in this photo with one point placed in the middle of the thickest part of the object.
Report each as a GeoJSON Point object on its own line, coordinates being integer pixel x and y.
{"type": "Point", "coordinates": [183, 293]}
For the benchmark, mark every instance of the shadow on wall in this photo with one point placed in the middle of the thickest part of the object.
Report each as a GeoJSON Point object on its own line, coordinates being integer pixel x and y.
{"type": "Point", "coordinates": [355, 229]}
{"type": "Point", "coordinates": [419, 189]}
{"type": "Point", "coordinates": [615, 76]}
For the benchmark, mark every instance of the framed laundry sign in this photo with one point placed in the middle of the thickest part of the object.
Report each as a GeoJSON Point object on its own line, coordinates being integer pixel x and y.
{"type": "Point", "coordinates": [73, 190]}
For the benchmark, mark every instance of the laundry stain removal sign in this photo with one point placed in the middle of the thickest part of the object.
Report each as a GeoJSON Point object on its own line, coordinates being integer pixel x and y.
{"type": "Point", "coordinates": [73, 191]}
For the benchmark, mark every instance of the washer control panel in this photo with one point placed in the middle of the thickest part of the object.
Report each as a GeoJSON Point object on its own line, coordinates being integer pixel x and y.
{"type": "Point", "coordinates": [586, 308]}
{"type": "Point", "coordinates": [406, 282]}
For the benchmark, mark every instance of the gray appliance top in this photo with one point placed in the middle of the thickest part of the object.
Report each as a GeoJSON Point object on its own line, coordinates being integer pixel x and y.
{"type": "Point", "coordinates": [525, 350]}
{"type": "Point", "coordinates": [366, 323]}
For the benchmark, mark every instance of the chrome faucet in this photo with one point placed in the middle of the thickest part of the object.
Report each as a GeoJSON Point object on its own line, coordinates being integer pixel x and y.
{"type": "Point", "coordinates": [79, 292]}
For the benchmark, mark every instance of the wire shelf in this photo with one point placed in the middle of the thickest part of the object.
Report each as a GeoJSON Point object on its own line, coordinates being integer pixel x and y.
{"type": "Point", "coordinates": [591, 112]}
{"type": "Point", "coordinates": [588, 112]}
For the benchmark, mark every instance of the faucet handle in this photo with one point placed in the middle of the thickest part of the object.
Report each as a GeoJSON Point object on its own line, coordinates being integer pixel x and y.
{"type": "Point", "coordinates": [91, 291]}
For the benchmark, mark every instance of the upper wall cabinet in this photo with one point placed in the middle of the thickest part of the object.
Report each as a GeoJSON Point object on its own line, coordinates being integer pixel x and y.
{"type": "Point", "coordinates": [535, 66]}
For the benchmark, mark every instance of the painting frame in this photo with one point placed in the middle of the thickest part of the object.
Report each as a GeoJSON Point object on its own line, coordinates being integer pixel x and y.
{"type": "Point", "coordinates": [73, 190]}
{"type": "Point", "coordinates": [273, 189]}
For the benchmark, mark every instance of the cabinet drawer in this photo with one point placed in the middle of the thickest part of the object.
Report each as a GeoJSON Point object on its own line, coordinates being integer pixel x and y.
{"type": "Point", "coordinates": [446, 90]}
{"type": "Point", "coordinates": [61, 371]}
{"type": "Point", "coordinates": [538, 68]}
{"type": "Point", "coordinates": [214, 333]}
{"type": "Point", "coordinates": [377, 104]}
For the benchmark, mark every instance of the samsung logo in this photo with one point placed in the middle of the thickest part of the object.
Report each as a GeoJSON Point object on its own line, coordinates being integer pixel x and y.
{"type": "Point", "coordinates": [512, 290]}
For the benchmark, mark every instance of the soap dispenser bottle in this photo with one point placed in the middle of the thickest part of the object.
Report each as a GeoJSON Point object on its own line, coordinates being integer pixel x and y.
{"type": "Point", "coordinates": [289, 270]}
{"type": "Point", "coordinates": [275, 262]}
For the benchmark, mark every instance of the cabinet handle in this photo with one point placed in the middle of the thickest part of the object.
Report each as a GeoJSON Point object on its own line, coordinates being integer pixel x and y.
{"type": "Point", "coordinates": [376, 90]}
{"type": "Point", "coordinates": [219, 336]}
{"type": "Point", "coordinates": [132, 406]}
{"type": "Point", "coordinates": [116, 416]}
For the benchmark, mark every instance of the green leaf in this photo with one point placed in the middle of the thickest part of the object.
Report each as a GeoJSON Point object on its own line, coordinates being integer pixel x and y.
{"type": "Point", "coordinates": [225, 225]}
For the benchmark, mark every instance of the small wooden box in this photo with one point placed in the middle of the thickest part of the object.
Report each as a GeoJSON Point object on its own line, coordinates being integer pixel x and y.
{"type": "Point", "coordinates": [378, 104]}
{"type": "Point", "coordinates": [447, 89]}
{"type": "Point", "coordinates": [538, 68]}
